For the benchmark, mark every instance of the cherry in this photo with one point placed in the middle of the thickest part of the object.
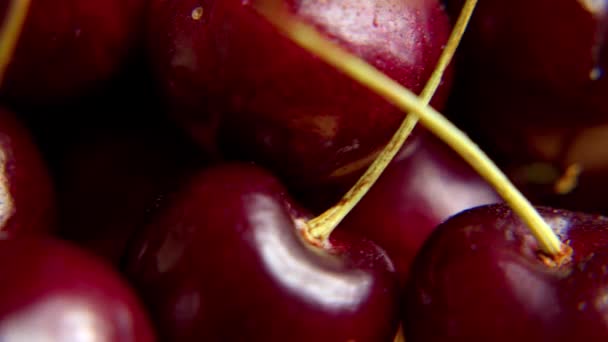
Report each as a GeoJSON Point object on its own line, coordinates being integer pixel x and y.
{"type": "Point", "coordinates": [239, 86]}
{"type": "Point", "coordinates": [26, 193]}
{"type": "Point", "coordinates": [555, 163]}
{"type": "Point", "coordinates": [51, 291]}
{"type": "Point", "coordinates": [226, 261]}
{"type": "Point", "coordinates": [481, 276]}
{"type": "Point", "coordinates": [532, 47]}
{"type": "Point", "coordinates": [68, 47]}
{"type": "Point", "coordinates": [424, 185]}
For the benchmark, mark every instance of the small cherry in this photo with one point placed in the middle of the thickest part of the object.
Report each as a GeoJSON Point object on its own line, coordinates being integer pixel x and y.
{"type": "Point", "coordinates": [64, 49]}
{"type": "Point", "coordinates": [241, 88]}
{"type": "Point", "coordinates": [52, 291]}
{"type": "Point", "coordinates": [529, 46]}
{"type": "Point", "coordinates": [482, 276]}
{"type": "Point", "coordinates": [229, 259]}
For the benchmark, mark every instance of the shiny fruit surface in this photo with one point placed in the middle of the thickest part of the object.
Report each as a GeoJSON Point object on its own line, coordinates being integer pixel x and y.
{"type": "Point", "coordinates": [481, 276]}
{"type": "Point", "coordinates": [50, 291]}
{"type": "Point", "coordinates": [241, 88]}
{"type": "Point", "coordinates": [226, 261]}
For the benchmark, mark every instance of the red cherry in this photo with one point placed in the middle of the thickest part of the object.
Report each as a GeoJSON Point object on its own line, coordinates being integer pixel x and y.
{"type": "Point", "coordinates": [424, 185]}
{"type": "Point", "coordinates": [235, 82]}
{"type": "Point", "coordinates": [50, 291]}
{"type": "Point", "coordinates": [26, 193]}
{"type": "Point", "coordinates": [225, 261]}
{"type": "Point", "coordinates": [481, 276]}
{"type": "Point", "coordinates": [529, 44]}
{"type": "Point", "coordinates": [69, 46]}
{"type": "Point", "coordinates": [554, 162]}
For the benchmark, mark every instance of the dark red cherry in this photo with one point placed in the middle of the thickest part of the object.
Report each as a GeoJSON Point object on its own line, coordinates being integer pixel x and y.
{"type": "Point", "coordinates": [481, 277]}
{"type": "Point", "coordinates": [238, 85]}
{"type": "Point", "coordinates": [26, 193]}
{"type": "Point", "coordinates": [69, 46]}
{"type": "Point", "coordinates": [424, 185]}
{"type": "Point", "coordinates": [226, 260]}
{"type": "Point", "coordinates": [110, 182]}
{"type": "Point", "coordinates": [555, 163]}
{"type": "Point", "coordinates": [530, 44]}
{"type": "Point", "coordinates": [50, 291]}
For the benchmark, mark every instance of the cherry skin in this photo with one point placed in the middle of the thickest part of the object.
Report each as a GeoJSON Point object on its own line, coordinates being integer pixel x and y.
{"type": "Point", "coordinates": [481, 276]}
{"type": "Point", "coordinates": [424, 185]}
{"type": "Point", "coordinates": [530, 44]}
{"type": "Point", "coordinates": [51, 291]}
{"type": "Point", "coordinates": [27, 203]}
{"type": "Point", "coordinates": [68, 47]}
{"type": "Point", "coordinates": [242, 88]}
{"type": "Point", "coordinates": [225, 261]}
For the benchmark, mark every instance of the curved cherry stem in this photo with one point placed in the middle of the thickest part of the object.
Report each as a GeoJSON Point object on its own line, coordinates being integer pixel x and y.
{"type": "Point", "coordinates": [10, 32]}
{"type": "Point", "coordinates": [310, 39]}
{"type": "Point", "coordinates": [322, 226]}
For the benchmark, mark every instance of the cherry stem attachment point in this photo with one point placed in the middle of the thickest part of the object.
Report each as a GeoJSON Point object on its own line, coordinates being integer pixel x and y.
{"type": "Point", "coordinates": [356, 68]}
{"type": "Point", "coordinates": [10, 32]}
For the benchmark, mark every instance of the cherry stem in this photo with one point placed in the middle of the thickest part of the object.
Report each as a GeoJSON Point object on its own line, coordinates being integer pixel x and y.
{"type": "Point", "coordinates": [400, 336]}
{"type": "Point", "coordinates": [11, 30]}
{"type": "Point", "coordinates": [321, 227]}
{"type": "Point", "coordinates": [313, 41]}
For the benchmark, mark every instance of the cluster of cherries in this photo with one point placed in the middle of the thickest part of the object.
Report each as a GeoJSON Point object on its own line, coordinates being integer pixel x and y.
{"type": "Point", "coordinates": [169, 170]}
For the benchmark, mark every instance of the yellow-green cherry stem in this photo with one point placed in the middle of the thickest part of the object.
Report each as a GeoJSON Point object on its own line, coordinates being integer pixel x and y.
{"type": "Point", "coordinates": [358, 69]}
{"type": "Point", "coordinates": [322, 226]}
{"type": "Point", "coordinates": [10, 32]}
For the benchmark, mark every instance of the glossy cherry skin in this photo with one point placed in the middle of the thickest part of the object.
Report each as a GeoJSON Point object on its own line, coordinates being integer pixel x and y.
{"type": "Point", "coordinates": [51, 291]}
{"type": "Point", "coordinates": [68, 47]}
{"type": "Point", "coordinates": [530, 44]}
{"type": "Point", "coordinates": [481, 277]}
{"type": "Point", "coordinates": [110, 182]}
{"type": "Point", "coordinates": [27, 203]}
{"type": "Point", "coordinates": [242, 88]}
{"type": "Point", "coordinates": [424, 185]}
{"type": "Point", "coordinates": [225, 261]}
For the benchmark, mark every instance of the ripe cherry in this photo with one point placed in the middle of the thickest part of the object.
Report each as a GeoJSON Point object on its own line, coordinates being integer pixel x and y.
{"type": "Point", "coordinates": [241, 87]}
{"type": "Point", "coordinates": [529, 46]}
{"type": "Point", "coordinates": [51, 291]}
{"type": "Point", "coordinates": [227, 260]}
{"type": "Point", "coordinates": [482, 276]}
{"type": "Point", "coordinates": [27, 202]}
{"type": "Point", "coordinates": [69, 47]}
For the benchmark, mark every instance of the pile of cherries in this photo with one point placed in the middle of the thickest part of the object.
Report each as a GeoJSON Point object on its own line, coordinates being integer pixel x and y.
{"type": "Point", "coordinates": [162, 163]}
